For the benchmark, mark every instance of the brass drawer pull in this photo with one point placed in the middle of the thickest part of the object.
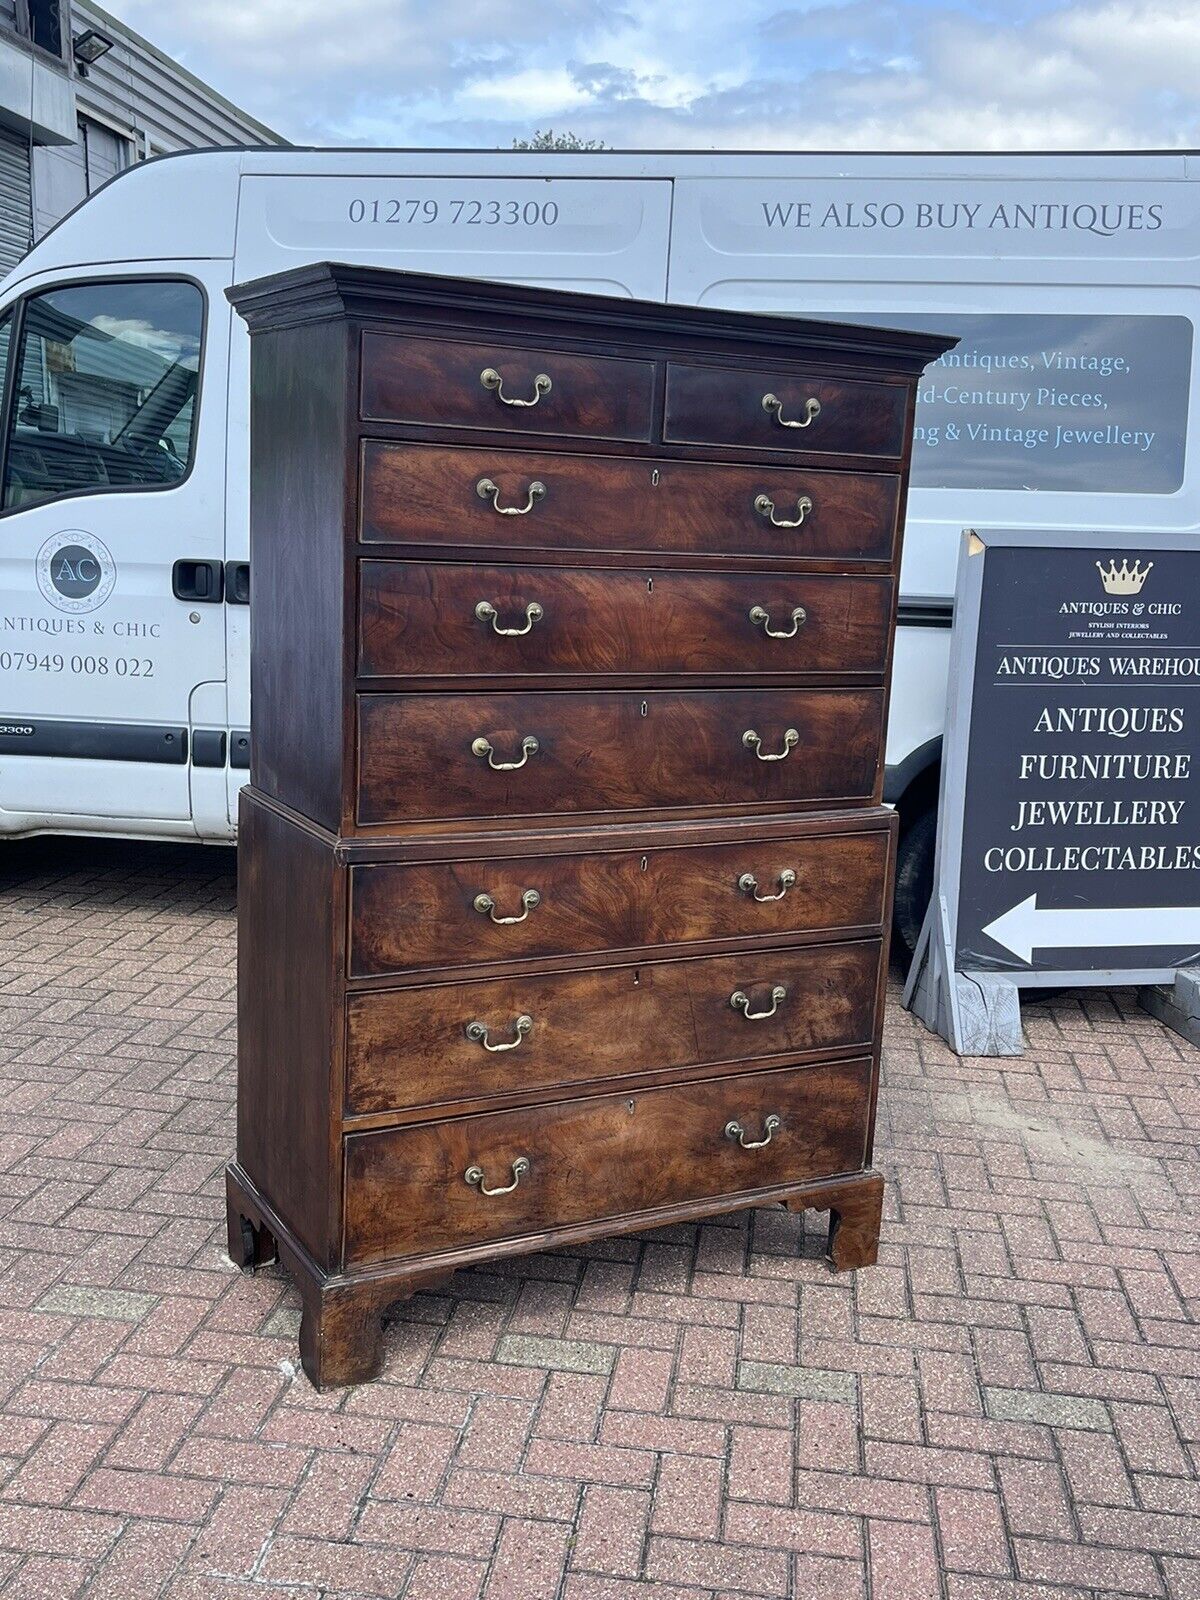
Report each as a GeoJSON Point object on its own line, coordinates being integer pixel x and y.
{"type": "Point", "coordinates": [485, 488]}
{"type": "Point", "coordinates": [765, 506]}
{"type": "Point", "coordinates": [491, 379]}
{"type": "Point", "coordinates": [772, 403]}
{"type": "Point", "coordinates": [486, 906]}
{"type": "Point", "coordinates": [740, 1001]}
{"type": "Point", "coordinates": [474, 1176]}
{"type": "Point", "coordinates": [477, 1032]}
{"type": "Point", "coordinates": [753, 742]}
{"type": "Point", "coordinates": [486, 612]}
{"type": "Point", "coordinates": [748, 884]}
{"type": "Point", "coordinates": [771, 1125]}
{"type": "Point", "coordinates": [762, 619]}
{"type": "Point", "coordinates": [529, 747]}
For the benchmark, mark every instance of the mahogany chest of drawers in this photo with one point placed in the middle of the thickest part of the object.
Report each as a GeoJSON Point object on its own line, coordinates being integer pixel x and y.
{"type": "Point", "coordinates": [564, 877]}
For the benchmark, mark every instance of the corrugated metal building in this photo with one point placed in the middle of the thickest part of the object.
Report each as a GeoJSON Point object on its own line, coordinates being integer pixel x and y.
{"type": "Point", "coordinates": [67, 126]}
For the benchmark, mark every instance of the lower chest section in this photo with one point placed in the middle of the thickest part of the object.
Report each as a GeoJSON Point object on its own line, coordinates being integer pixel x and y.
{"type": "Point", "coordinates": [492, 1040]}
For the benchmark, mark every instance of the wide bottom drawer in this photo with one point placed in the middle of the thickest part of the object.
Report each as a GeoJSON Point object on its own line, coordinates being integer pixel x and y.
{"type": "Point", "coordinates": [418, 1190]}
{"type": "Point", "coordinates": [467, 1041]}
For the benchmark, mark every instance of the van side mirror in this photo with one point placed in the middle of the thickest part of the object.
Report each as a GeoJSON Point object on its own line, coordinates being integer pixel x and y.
{"type": "Point", "coordinates": [42, 417]}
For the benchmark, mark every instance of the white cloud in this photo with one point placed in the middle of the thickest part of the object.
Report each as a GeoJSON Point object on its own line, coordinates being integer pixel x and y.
{"type": "Point", "coordinates": [534, 92]}
{"type": "Point", "coordinates": [866, 74]}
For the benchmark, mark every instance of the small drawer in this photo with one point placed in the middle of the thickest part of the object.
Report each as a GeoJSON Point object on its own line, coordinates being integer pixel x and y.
{"type": "Point", "coordinates": [421, 620]}
{"type": "Point", "coordinates": [420, 1189]}
{"type": "Point", "coordinates": [784, 410]}
{"type": "Point", "coordinates": [427, 496]}
{"type": "Point", "coordinates": [580, 752]}
{"type": "Point", "coordinates": [511, 389]}
{"type": "Point", "coordinates": [410, 917]}
{"type": "Point", "coordinates": [502, 1036]}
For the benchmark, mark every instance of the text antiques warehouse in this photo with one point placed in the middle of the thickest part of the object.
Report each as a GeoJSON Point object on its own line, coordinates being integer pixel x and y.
{"type": "Point", "coordinates": [81, 98]}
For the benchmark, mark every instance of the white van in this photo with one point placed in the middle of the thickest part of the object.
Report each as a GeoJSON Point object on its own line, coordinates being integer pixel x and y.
{"type": "Point", "coordinates": [1073, 281]}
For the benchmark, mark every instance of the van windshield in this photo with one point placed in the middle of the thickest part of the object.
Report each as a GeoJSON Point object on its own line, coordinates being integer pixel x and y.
{"type": "Point", "coordinates": [105, 390]}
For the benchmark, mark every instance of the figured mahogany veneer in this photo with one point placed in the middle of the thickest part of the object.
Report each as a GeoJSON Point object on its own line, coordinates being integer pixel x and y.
{"type": "Point", "coordinates": [611, 751]}
{"type": "Point", "coordinates": [419, 916]}
{"type": "Point", "coordinates": [421, 620]}
{"type": "Point", "coordinates": [421, 1046]}
{"type": "Point", "coordinates": [440, 381]}
{"type": "Point", "coordinates": [420, 495]}
{"type": "Point", "coordinates": [599, 1157]}
{"type": "Point", "coordinates": [708, 405]}
{"type": "Point", "coordinates": [563, 879]}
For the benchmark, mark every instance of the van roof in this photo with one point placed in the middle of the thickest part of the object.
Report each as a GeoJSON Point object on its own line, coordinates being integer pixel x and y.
{"type": "Point", "coordinates": [136, 215]}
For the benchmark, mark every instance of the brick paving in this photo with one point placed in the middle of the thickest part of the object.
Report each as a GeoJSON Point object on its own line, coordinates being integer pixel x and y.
{"type": "Point", "coordinates": [1007, 1408]}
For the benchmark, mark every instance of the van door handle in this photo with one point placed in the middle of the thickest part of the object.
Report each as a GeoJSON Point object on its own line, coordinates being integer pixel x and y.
{"type": "Point", "coordinates": [237, 583]}
{"type": "Point", "coordinates": [201, 582]}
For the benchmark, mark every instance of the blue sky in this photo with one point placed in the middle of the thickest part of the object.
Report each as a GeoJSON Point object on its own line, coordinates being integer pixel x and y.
{"type": "Point", "coordinates": [878, 74]}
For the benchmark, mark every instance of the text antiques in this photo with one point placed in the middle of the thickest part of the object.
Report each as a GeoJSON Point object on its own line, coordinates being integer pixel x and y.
{"type": "Point", "coordinates": [1069, 831]}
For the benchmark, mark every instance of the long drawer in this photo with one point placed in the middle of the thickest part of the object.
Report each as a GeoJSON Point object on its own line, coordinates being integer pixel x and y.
{"type": "Point", "coordinates": [780, 410]}
{"type": "Point", "coordinates": [447, 383]}
{"type": "Point", "coordinates": [462, 1041]}
{"type": "Point", "coordinates": [426, 620]}
{"type": "Point", "coordinates": [425, 495]}
{"type": "Point", "coordinates": [517, 755]}
{"type": "Point", "coordinates": [421, 1189]}
{"type": "Point", "coordinates": [407, 917]}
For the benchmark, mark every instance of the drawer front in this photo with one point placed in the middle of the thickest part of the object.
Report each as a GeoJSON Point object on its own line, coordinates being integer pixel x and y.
{"type": "Point", "coordinates": [407, 1193]}
{"type": "Point", "coordinates": [422, 620]}
{"type": "Point", "coordinates": [784, 411]}
{"type": "Point", "coordinates": [462, 1041]}
{"type": "Point", "coordinates": [521, 755]}
{"type": "Point", "coordinates": [425, 495]}
{"type": "Point", "coordinates": [446, 914]}
{"type": "Point", "coordinates": [448, 384]}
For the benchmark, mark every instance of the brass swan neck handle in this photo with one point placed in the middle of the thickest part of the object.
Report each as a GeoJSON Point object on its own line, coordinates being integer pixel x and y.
{"type": "Point", "coordinates": [773, 405]}
{"type": "Point", "coordinates": [491, 379]}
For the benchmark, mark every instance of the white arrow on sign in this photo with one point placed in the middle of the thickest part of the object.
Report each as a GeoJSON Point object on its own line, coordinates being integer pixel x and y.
{"type": "Point", "coordinates": [1025, 927]}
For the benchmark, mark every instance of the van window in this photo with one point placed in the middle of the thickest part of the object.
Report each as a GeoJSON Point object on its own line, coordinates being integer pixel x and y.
{"type": "Point", "coordinates": [105, 393]}
{"type": "Point", "coordinates": [1085, 404]}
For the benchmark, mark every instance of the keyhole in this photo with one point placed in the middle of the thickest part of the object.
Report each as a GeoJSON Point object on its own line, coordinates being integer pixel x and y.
{"type": "Point", "coordinates": [654, 479]}
{"type": "Point", "coordinates": [645, 862]}
{"type": "Point", "coordinates": [630, 1104]}
{"type": "Point", "coordinates": [645, 709]}
{"type": "Point", "coordinates": [649, 585]}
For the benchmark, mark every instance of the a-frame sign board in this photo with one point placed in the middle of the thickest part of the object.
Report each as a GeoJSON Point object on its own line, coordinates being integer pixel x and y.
{"type": "Point", "coordinates": [1068, 847]}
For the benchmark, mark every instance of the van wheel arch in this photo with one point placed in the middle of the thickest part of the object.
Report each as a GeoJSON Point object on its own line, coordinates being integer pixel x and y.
{"type": "Point", "coordinates": [916, 805]}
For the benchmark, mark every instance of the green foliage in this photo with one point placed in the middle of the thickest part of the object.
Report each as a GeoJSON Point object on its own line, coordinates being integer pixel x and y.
{"type": "Point", "coordinates": [547, 139]}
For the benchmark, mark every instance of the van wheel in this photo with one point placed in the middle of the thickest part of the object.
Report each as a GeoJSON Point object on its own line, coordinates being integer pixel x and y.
{"type": "Point", "coordinates": [914, 878]}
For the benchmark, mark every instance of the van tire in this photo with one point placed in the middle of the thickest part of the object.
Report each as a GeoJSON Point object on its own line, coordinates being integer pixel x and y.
{"type": "Point", "coordinates": [914, 879]}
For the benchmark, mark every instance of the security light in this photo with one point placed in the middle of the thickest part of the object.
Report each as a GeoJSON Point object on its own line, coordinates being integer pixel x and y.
{"type": "Point", "coordinates": [88, 47]}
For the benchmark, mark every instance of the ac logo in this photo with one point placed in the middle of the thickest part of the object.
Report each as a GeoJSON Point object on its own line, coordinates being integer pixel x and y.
{"type": "Point", "coordinates": [75, 571]}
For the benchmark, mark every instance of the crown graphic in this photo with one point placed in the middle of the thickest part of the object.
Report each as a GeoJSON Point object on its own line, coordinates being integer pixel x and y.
{"type": "Point", "coordinates": [1124, 579]}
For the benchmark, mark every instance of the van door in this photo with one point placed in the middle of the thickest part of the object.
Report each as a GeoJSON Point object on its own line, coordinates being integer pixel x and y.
{"type": "Point", "coordinates": [1072, 287]}
{"type": "Point", "coordinates": [602, 235]}
{"type": "Point", "coordinates": [111, 551]}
